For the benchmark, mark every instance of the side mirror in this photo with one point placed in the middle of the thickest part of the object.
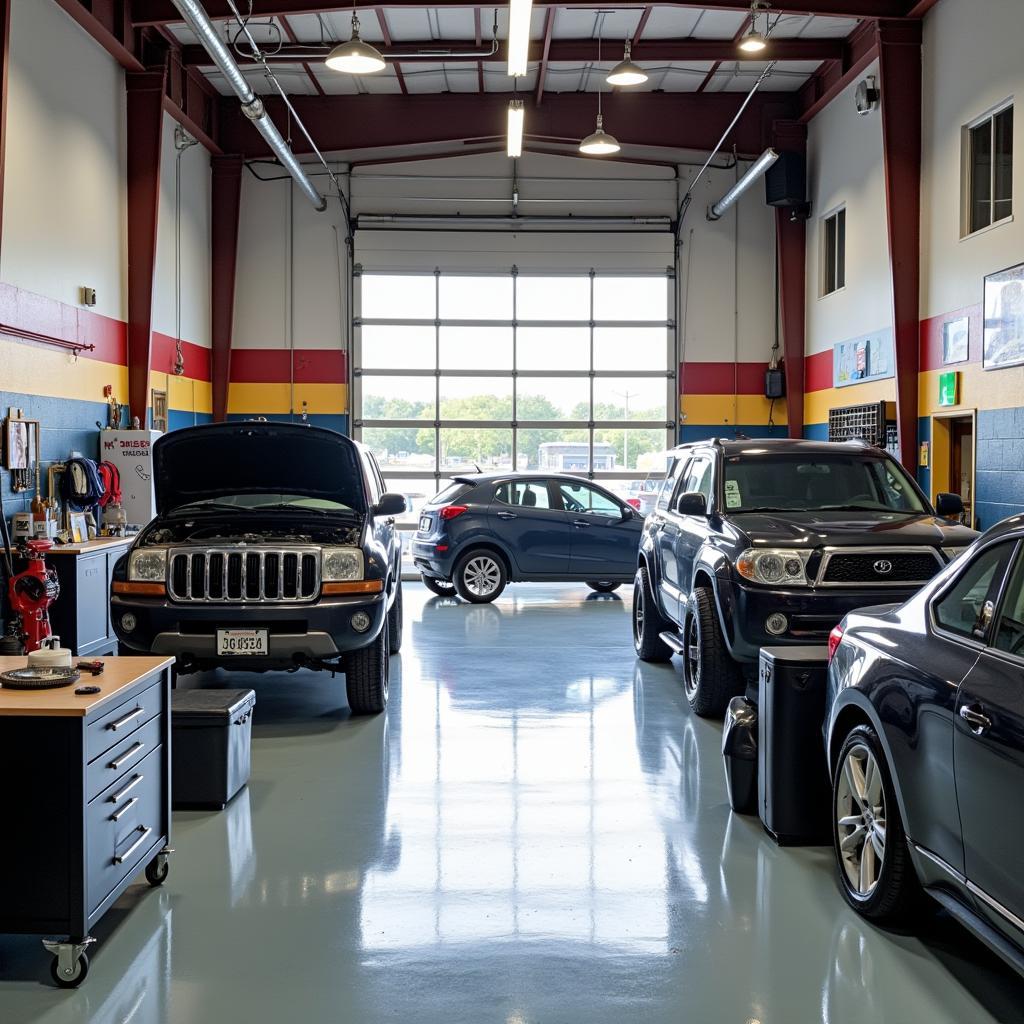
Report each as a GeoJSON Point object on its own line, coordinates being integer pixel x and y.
{"type": "Point", "coordinates": [949, 505]}
{"type": "Point", "coordinates": [628, 513]}
{"type": "Point", "coordinates": [692, 503]}
{"type": "Point", "coordinates": [390, 505]}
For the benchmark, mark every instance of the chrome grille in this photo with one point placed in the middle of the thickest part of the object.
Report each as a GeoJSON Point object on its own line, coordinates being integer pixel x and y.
{"type": "Point", "coordinates": [244, 575]}
{"type": "Point", "coordinates": [878, 567]}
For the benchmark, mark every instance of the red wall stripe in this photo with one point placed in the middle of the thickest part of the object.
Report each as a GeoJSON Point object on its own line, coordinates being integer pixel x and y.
{"type": "Point", "coordinates": [931, 337]}
{"type": "Point", "coordinates": [195, 357]}
{"type": "Point", "coordinates": [271, 366]}
{"type": "Point", "coordinates": [818, 371]}
{"type": "Point", "coordinates": [722, 378]}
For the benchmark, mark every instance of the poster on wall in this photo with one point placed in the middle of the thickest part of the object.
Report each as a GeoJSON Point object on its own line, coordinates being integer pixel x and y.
{"type": "Point", "coordinates": [956, 340]}
{"type": "Point", "coordinates": [1004, 318]}
{"type": "Point", "coordinates": [869, 357]}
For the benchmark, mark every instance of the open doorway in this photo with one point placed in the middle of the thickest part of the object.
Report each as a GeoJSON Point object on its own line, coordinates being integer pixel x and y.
{"type": "Point", "coordinates": [954, 437]}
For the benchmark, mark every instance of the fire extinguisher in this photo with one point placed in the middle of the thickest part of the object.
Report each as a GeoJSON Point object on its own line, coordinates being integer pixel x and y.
{"type": "Point", "coordinates": [32, 591]}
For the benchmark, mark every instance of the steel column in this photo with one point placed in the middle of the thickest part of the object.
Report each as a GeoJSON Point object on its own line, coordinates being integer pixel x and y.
{"type": "Point", "coordinates": [899, 72]}
{"type": "Point", "coordinates": [225, 203]}
{"type": "Point", "coordinates": [145, 129]}
{"type": "Point", "coordinates": [791, 252]}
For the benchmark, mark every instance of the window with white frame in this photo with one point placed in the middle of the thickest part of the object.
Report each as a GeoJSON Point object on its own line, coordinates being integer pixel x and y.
{"type": "Point", "coordinates": [833, 251]}
{"type": "Point", "coordinates": [567, 373]}
{"type": "Point", "coordinates": [988, 170]}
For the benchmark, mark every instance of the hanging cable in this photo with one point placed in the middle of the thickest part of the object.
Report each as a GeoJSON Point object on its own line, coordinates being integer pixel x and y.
{"type": "Point", "coordinates": [182, 141]}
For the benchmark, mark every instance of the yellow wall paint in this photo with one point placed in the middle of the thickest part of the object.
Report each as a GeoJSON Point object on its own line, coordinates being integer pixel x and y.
{"type": "Point", "coordinates": [735, 410]}
{"type": "Point", "coordinates": [979, 388]}
{"type": "Point", "coordinates": [818, 403]}
{"type": "Point", "coordinates": [184, 394]}
{"type": "Point", "coordinates": [276, 398]}
{"type": "Point", "coordinates": [50, 372]}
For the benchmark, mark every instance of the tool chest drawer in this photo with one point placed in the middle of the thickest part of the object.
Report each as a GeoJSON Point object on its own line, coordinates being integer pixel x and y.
{"type": "Point", "coordinates": [115, 724]}
{"type": "Point", "coordinates": [120, 760]}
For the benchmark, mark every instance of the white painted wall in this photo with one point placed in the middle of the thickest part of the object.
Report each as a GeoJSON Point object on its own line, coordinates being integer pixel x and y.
{"type": "Point", "coordinates": [64, 190]}
{"type": "Point", "coordinates": [195, 242]}
{"type": "Point", "coordinates": [972, 62]}
{"type": "Point", "coordinates": [845, 166]}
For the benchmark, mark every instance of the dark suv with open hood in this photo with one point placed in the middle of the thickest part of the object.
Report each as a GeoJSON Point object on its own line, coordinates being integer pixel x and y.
{"type": "Point", "coordinates": [274, 547]}
{"type": "Point", "coordinates": [771, 542]}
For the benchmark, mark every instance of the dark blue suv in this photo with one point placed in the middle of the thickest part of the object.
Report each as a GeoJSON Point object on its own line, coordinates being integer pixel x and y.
{"type": "Point", "coordinates": [482, 532]}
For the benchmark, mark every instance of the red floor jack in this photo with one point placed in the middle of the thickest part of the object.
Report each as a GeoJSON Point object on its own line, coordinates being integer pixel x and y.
{"type": "Point", "coordinates": [32, 591]}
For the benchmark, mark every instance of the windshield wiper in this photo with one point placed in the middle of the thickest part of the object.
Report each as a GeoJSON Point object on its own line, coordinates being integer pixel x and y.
{"type": "Point", "coordinates": [864, 508]}
{"type": "Point", "coordinates": [288, 506]}
{"type": "Point", "coordinates": [762, 508]}
{"type": "Point", "coordinates": [213, 506]}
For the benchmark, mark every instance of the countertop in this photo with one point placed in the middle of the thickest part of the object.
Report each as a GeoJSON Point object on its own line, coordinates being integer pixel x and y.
{"type": "Point", "coordinates": [88, 547]}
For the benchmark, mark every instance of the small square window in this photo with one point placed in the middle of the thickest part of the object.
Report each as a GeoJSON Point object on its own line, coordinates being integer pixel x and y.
{"type": "Point", "coordinates": [988, 171]}
{"type": "Point", "coordinates": [833, 252]}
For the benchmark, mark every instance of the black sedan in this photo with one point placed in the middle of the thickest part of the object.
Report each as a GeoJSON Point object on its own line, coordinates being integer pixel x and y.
{"type": "Point", "coordinates": [925, 737]}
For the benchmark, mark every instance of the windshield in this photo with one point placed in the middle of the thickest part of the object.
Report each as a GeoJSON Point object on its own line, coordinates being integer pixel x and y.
{"type": "Point", "coordinates": [818, 483]}
{"type": "Point", "coordinates": [265, 502]}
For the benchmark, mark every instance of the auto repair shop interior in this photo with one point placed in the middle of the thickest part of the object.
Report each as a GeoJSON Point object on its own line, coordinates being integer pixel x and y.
{"type": "Point", "coordinates": [511, 513]}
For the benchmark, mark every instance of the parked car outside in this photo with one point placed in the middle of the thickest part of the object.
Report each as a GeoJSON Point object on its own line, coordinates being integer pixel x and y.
{"type": "Point", "coordinates": [274, 547]}
{"type": "Point", "coordinates": [925, 739]}
{"type": "Point", "coordinates": [482, 532]}
{"type": "Point", "coordinates": [771, 542]}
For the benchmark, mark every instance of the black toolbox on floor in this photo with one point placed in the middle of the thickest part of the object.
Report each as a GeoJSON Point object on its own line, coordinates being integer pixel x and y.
{"type": "Point", "coordinates": [739, 752]}
{"type": "Point", "coordinates": [794, 789]}
{"type": "Point", "coordinates": [210, 745]}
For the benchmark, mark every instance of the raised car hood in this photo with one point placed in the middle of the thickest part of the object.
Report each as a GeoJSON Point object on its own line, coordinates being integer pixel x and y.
{"type": "Point", "coordinates": [218, 459]}
{"type": "Point", "coordinates": [838, 529]}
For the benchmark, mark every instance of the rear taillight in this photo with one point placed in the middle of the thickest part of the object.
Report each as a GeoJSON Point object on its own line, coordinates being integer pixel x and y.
{"type": "Point", "coordinates": [835, 638]}
{"type": "Point", "coordinates": [452, 511]}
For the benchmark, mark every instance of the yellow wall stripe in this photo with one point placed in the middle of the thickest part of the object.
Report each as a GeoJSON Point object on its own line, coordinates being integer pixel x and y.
{"type": "Point", "coordinates": [979, 388]}
{"type": "Point", "coordinates": [52, 372]}
{"type": "Point", "coordinates": [818, 403]}
{"type": "Point", "coordinates": [276, 398]}
{"type": "Point", "coordinates": [730, 410]}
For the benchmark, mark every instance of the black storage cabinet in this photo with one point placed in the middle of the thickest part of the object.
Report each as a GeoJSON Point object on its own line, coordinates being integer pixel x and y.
{"type": "Point", "coordinates": [794, 790]}
{"type": "Point", "coordinates": [739, 752]}
{"type": "Point", "coordinates": [212, 732]}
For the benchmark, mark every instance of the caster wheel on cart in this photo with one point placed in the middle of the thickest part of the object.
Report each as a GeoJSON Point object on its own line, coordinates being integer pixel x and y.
{"type": "Point", "coordinates": [72, 978]}
{"type": "Point", "coordinates": [157, 870]}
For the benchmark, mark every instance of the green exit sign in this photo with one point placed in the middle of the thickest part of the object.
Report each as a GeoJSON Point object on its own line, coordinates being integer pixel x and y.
{"type": "Point", "coordinates": [949, 387]}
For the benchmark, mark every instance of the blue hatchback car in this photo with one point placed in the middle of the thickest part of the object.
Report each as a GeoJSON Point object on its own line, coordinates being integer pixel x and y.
{"type": "Point", "coordinates": [482, 532]}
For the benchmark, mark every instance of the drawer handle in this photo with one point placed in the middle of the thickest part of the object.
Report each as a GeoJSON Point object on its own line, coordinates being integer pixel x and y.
{"type": "Point", "coordinates": [118, 815]}
{"type": "Point", "coordinates": [128, 754]}
{"type": "Point", "coordinates": [114, 726]}
{"type": "Point", "coordinates": [131, 849]}
{"type": "Point", "coordinates": [116, 798]}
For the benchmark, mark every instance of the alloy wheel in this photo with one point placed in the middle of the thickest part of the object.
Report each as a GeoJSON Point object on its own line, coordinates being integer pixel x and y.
{"type": "Point", "coordinates": [638, 615]}
{"type": "Point", "coordinates": [482, 575]}
{"type": "Point", "coordinates": [860, 820]}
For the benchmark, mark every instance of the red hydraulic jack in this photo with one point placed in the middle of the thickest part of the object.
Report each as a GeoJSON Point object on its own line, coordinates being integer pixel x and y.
{"type": "Point", "coordinates": [31, 593]}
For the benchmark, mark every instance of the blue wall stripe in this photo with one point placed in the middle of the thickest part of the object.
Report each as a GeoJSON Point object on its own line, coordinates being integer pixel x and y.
{"type": "Point", "coordinates": [338, 422]}
{"type": "Point", "coordinates": [703, 432]}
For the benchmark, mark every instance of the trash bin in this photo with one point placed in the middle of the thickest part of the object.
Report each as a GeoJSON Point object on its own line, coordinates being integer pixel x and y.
{"type": "Point", "coordinates": [210, 745]}
{"type": "Point", "coordinates": [794, 790]}
{"type": "Point", "coordinates": [739, 751]}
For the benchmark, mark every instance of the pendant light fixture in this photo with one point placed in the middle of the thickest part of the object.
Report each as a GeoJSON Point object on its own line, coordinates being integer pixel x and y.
{"type": "Point", "coordinates": [599, 142]}
{"type": "Point", "coordinates": [754, 41]}
{"type": "Point", "coordinates": [626, 72]}
{"type": "Point", "coordinates": [355, 57]}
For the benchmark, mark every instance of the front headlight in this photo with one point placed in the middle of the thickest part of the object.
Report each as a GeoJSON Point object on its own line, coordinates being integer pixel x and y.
{"type": "Point", "coordinates": [342, 564]}
{"type": "Point", "coordinates": [148, 565]}
{"type": "Point", "coordinates": [786, 567]}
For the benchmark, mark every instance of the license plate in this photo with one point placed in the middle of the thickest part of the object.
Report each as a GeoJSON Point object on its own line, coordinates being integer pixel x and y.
{"type": "Point", "coordinates": [424, 524]}
{"type": "Point", "coordinates": [235, 642]}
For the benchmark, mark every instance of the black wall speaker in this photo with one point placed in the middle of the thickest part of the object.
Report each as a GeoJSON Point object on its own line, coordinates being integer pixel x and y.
{"type": "Point", "coordinates": [785, 184]}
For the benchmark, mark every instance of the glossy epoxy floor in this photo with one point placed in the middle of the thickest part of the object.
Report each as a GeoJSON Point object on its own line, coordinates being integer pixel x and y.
{"type": "Point", "coordinates": [536, 832]}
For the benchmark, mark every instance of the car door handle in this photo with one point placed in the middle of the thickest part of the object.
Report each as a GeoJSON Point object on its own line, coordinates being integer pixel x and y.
{"type": "Point", "coordinates": [507, 515]}
{"type": "Point", "coordinates": [975, 718]}
{"type": "Point", "coordinates": [581, 523]}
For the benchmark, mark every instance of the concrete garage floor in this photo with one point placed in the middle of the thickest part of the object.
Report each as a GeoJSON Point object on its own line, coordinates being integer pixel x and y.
{"type": "Point", "coordinates": [537, 832]}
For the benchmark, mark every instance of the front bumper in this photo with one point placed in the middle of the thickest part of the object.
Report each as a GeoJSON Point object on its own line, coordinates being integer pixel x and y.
{"type": "Point", "coordinates": [297, 632]}
{"type": "Point", "coordinates": [812, 614]}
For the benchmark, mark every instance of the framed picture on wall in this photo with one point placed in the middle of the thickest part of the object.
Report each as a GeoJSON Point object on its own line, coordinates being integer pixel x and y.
{"type": "Point", "coordinates": [1004, 318]}
{"type": "Point", "coordinates": [956, 340]}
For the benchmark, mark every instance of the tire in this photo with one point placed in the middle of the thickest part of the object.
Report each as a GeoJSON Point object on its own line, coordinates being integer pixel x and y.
{"type": "Point", "coordinates": [73, 980]}
{"type": "Point", "coordinates": [710, 677]}
{"type": "Point", "coordinates": [603, 586]}
{"type": "Point", "coordinates": [156, 872]}
{"type": "Point", "coordinates": [367, 674]}
{"type": "Point", "coordinates": [648, 622]}
{"type": "Point", "coordinates": [395, 618]}
{"type": "Point", "coordinates": [882, 894]}
{"type": "Point", "coordinates": [480, 576]}
{"type": "Point", "coordinates": [440, 587]}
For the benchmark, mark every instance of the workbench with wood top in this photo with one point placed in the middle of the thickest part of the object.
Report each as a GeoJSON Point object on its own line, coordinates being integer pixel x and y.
{"type": "Point", "coordinates": [86, 801]}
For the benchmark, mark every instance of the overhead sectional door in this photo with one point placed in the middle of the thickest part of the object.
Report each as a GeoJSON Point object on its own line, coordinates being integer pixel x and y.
{"type": "Point", "coordinates": [508, 369]}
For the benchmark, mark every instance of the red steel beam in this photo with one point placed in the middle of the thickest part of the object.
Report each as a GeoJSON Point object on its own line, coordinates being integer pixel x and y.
{"type": "Point", "coordinates": [156, 12]}
{"type": "Point", "coordinates": [791, 250]}
{"type": "Point", "coordinates": [382, 20]}
{"type": "Point", "coordinates": [642, 24]}
{"type": "Point", "coordinates": [292, 37]}
{"type": "Point", "coordinates": [734, 51]}
{"type": "Point", "coordinates": [114, 36]}
{"type": "Point", "coordinates": [652, 119]}
{"type": "Point", "coordinates": [899, 73]}
{"type": "Point", "coordinates": [859, 50]}
{"type": "Point", "coordinates": [542, 71]}
{"type": "Point", "coordinates": [5, 60]}
{"type": "Point", "coordinates": [145, 111]}
{"type": "Point", "coordinates": [226, 192]}
{"type": "Point", "coordinates": [578, 51]}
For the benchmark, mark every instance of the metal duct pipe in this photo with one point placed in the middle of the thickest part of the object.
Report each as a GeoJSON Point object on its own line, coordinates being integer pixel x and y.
{"type": "Point", "coordinates": [252, 106]}
{"type": "Point", "coordinates": [511, 222]}
{"type": "Point", "coordinates": [758, 168]}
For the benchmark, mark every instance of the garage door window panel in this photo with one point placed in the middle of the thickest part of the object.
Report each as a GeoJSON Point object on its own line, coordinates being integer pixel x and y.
{"type": "Point", "coordinates": [553, 348]}
{"type": "Point", "coordinates": [475, 348]}
{"type": "Point", "coordinates": [466, 448]}
{"type": "Point", "coordinates": [552, 298]}
{"type": "Point", "coordinates": [476, 398]}
{"type": "Point", "coordinates": [393, 397]}
{"type": "Point", "coordinates": [412, 448]}
{"type": "Point", "coordinates": [482, 297]}
{"type": "Point", "coordinates": [407, 347]}
{"type": "Point", "coordinates": [398, 296]}
{"type": "Point", "coordinates": [631, 298]}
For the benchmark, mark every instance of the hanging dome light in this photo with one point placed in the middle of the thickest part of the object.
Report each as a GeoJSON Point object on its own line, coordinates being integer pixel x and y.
{"type": "Point", "coordinates": [355, 57]}
{"type": "Point", "coordinates": [599, 142]}
{"type": "Point", "coordinates": [626, 72]}
{"type": "Point", "coordinates": [753, 41]}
